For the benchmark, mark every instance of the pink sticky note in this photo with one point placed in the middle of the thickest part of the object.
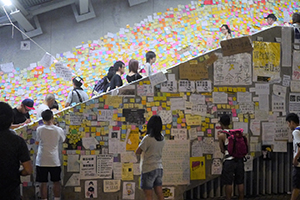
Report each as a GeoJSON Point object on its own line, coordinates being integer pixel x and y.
{"type": "Point", "coordinates": [133, 127]}
{"type": "Point", "coordinates": [178, 126]}
{"type": "Point", "coordinates": [183, 120]}
{"type": "Point", "coordinates": [208, 131]}
{"type": "Point", "coordinates": [233, 114]}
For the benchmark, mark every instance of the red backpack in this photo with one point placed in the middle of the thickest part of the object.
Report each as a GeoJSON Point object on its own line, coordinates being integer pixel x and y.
{"type": "Point", "coordinates": [237, 143]}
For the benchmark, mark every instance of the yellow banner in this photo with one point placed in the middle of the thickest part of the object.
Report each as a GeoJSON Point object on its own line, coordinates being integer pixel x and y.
{"type": "Point", "coordinates": [266, 61]}
{"type": "Point", "coordinates": [197, 168]}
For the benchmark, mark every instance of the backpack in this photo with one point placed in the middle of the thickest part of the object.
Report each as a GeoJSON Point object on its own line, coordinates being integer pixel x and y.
{"type": "Point", "coordinates": [237, 143]}
{"type": "Point", "coordinates": [100, 86]}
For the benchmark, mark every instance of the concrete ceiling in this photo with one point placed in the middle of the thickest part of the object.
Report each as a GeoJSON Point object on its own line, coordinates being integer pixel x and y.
{"type": "Point", "coordinates": [24, 13]}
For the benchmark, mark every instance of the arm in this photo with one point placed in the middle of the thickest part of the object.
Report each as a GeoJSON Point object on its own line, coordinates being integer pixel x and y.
{"type": "Point", "coordinates": [295, 160]}
{"type": "Point", "coordinates": [27, 168]}
{"type": "Point", "coordinates": [138, 153]}
{"type": "Point", "coordinates": [69, 99]}
{"type": "Point", "coordinates": [221, 142]}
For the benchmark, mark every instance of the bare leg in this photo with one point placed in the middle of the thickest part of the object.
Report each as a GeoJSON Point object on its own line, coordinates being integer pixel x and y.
{"type": "Point", "coordinates": [159, 192]}
{"type": "Point", "coordinates": [56, 189]}
{"type": "Point", "coordinates": [148, 194]}
{"type": "Point", "coordinates": [228, 191]}
{"type": "Point", "coordinates": [241, 191]}
{"type": "Point", "coordinates": [295, 194]}
{"type": "Point", "coordinates": [43, 188]}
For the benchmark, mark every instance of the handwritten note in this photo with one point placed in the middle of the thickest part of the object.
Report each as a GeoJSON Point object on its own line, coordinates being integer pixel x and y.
{"type": "Point", "coordinates": [157, 78]}
{"type": "Point", "coordinates": [220, 97]}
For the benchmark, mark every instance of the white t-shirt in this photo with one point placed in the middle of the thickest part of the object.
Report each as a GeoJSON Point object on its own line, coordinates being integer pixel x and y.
{"type": "Point", "coordinates": [149, 69]}
{"type": "Point", "coordinates": [73, 97]}
{"type": "Point", "coordinates": [40, 109]}
{"type": "Point", "coordinates": [49, 138]}
{"type": "Point", "coordinates": [296, 140]}
{"type": "Point", "coordinates": [152, 150]}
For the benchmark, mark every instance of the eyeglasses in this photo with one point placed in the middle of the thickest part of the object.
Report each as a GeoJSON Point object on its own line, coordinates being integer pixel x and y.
{"type": "Point", "coordinates": [26, 109]}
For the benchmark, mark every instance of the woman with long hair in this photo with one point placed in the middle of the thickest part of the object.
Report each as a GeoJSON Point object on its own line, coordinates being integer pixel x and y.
{"type": "Point", "coordinates": [226, 31]}
{"type": "Point", "coordinates": [152, 169]}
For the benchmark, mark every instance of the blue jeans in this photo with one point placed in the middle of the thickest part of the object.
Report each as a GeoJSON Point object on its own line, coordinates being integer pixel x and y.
{"type": "Point", "coordinates": [151, 179]}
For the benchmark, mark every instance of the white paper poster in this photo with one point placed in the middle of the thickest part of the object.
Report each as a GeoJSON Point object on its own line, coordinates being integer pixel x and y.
{"type": "Point", "coordinates": [278, 104]}
{"type": "Point", "coordinates": [248, 165]}
{"type": "Point", "coordinates": [169, 192]}
{"type": "Point", "coordinates": [179, 134]}
{"type": "Point", "coordinates": [91, 189]}
{"type": "Point", "coordinates": [262, 88]}
{"type": "Point", "coordinates": [233, 70]}
{"type": "Point", "coordinates": [73, 163]}
{"type": "Point", "coordinates": [268, 132]}
{"type": "Point", "coordinates": [128, 190]}
{"type": "Point", "coordinates": [296, 65]}
{"type": "Point", "coordinates": [157, 78]}
{"type": "Point", "coordinates": [197, 99]}
{"type": "Point", "coordinates": [176, 171]}
{"type": "Point", "coordinates": [186, 86]}
{"type": "Point", "coordinates": [145, 90]}
{"type": "Point", "coordinates": [111, 185]}
{"type": "Point", "coordinates": [105, 166]}
{"type": "Point", "coordinates": [255, 127]}
{"type": "Point", "coordinates": [294, 104]}
{"type": "Point", "coordinates": [244, 97]}
{"type": "Point", "coordinates": [286, 80]}
{"type": "Point", "coordinates": [74, 180]}
{"type": "Point", "coordinates": [197, 149]}
{"type": "Point", "coordinates": [169, 86]}
{"type": "Point", "coordinates": [177, 104]}
{"type": "Point", "coordinates": [295, 86]}
{"type": "Point", "coordinates": [280, 146]}
{"type": "Point", "coordinates": [281, 129]}
{"type": "Point", "coordinates": [88, 166]}
{"type": "Point", "coordinates": [216, 167]}
{"type": "Point", "coordinates": [63, 72]}
{"type": "Point", "coordinates": [166, 116]}
{"type": "Point", "coordinates": [247, 108]}
{"type": "Point", "coordinates": [220, 97]}
{"type": "Point", "coordinates": [203, 86]}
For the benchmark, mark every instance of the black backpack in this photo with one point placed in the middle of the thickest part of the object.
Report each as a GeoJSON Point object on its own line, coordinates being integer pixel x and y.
{"type": "Point", "coordinates": [100, 86]}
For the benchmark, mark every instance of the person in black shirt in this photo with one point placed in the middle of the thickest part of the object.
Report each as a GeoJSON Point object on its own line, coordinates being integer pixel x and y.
{"type": "Point", "coordinates": [13, 152]}
{"type": "Point", "coordinates": [116, 80]}
{"type": "Point", "coordinates": [21, 116]}
{"type": "Point", "coordinates": [133, 71]}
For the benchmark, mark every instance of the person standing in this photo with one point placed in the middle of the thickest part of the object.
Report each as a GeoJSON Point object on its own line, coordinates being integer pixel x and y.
{"type": "Point", "coordinates": [133, 74]}
{"type": "Point", "coordinates": [47, 104]}
{"type": "Point", "coordinates": [226, 32]}
{"type": "Point", "coordinates": [293, 123]}
{"type": "Point", "coordinates": [233, 168]}
{"type": "Point", "coordinates": [296, 20]}
{"type": "Point", "coordinates": [77, 95]}
{"type": "Point", "coordinates": [272, 20]}
{"type": "Point", "coordinates": [150, 60]}
{"type": "Point", "coordinates": [49, 137]}
{"type": "Point", "coordinates": [13, 151]}
{"type": "Point", "coordinates": [116, 80]}
{"type": "Point", "coordinates": [152, 170]}
{"type": "Point", "coordinates": [21, 115]}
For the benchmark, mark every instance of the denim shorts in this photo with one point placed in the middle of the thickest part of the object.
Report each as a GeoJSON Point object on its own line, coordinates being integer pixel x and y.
{"type": "Point", "coordinates": [151, 179]}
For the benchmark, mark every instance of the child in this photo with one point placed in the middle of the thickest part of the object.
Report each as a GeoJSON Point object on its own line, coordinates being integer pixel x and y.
{"type": "Point", "coordinates": [49, 137]}
{"type": "Point", "coordinates": [150, 60]}
{"type": "Point", "coordinates": [152, 169]}
{"type": "Point", "coordinates": [293, 122]}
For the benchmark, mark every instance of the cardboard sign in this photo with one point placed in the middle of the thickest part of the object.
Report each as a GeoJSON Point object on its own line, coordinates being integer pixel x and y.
{"type": "Point", "coordinates": [192, 72]}
{"type": "Point", "coordinates": [236, 46]}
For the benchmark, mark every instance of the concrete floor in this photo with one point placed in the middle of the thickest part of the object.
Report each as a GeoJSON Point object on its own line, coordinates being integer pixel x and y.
{"type": "Point", "coordinates": [61, 32]}
{"type": "Point", "coordinates": [265, 197]}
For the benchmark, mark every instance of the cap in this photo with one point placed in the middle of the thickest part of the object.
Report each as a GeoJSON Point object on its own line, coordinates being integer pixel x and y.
{"type": "Point", "coordinates": [272, 16]}
{"type": "Point", "coordinates": [28, 103]}
{"type": "Point", "coordinates": [78, 81]}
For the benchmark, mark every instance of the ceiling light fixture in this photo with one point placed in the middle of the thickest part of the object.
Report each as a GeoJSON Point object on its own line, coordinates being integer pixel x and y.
{"type": "Point", "coordinates": [7, 2]}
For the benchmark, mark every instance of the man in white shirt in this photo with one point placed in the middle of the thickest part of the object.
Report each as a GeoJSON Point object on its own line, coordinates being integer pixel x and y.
{"type": "Point", "coordinates": [47, 104]}
{"type": "Point", "coordinates": [293, 122]}
{"type": "Point", "coordinates": [49, 137]}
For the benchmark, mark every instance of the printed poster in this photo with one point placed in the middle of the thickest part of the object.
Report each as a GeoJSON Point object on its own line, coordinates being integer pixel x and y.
{"type": "Point", "coordinates": [111, 185]}
{"type": "Point", "coordinates": [169, 192]}
{"type": "Point", "coordinates": [266, 61]}
{"type": "Point", "coordinates": [91, 189]}
{"type": "Point", "coordinates": [169, 86]}
{"type": "Point", "coordinates": [105, 166]}
{"type": "Point", "coordinates": [233, 70]}
{"type": "Point", "coordinates": [294, 104]}
{"type": "Point", "coordinates": [216, 167]}
{"type": "Point", "coordinates": [296, 65]}
{"type": "Point", "coordinates": [197, 168]}
{"type": "Point", "coordinates": [128, 190]}
{"type": "Point", "coordinates": [203, 86]}
{"type": "Point", "coordinates": [88, 166]}
{"type": "Point", "coordinates": [132, 142]}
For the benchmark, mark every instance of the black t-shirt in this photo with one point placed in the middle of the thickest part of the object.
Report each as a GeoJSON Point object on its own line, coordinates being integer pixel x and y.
{"type": "Point", "coordinates": [13, 151]}
{"type": "Point", "coordinates": [19, 117]}
{"type": "Point", "coordinates": [133, 77]}
{"type": "Point", "coordinates": [116, 81]}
